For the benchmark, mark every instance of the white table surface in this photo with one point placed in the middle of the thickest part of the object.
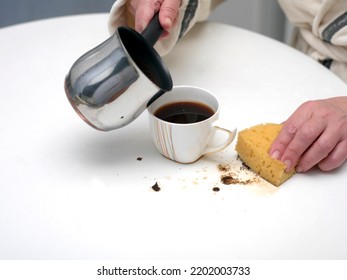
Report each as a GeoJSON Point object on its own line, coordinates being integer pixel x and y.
{"type": "Point", "coordinates": [68, 191]}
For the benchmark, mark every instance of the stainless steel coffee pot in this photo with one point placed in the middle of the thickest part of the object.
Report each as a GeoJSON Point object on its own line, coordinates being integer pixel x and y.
{"type": "Point", "coordinates": [112, 84]}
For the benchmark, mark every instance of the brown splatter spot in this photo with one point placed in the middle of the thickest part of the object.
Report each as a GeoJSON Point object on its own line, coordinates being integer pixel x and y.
{"type": "Point", "coordinates": [244, 167]}
{"type": "Point", "coordinates": [223, 167]}
{"type": "Point", "coordinates": [156, 187]}
{"type": "Point", "coordinates": [216, 189]}
{"type": "Point", "coordinates": [228, 180]}
{"type": "Point", "coordinates": [139, 158]}
{"type": "Point", "coordinates": [231, 174]}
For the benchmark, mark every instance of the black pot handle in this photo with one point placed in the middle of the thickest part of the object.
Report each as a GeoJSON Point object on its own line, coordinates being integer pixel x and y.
{"type": "Point", "coordinates": [153, 30]}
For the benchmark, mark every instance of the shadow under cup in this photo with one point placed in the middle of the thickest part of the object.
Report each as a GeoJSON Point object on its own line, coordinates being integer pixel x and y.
{"type": "Point", "coordinates": [187, 142]}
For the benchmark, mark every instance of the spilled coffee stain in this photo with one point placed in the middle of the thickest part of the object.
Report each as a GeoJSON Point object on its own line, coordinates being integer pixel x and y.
{"type": "Point", "coordinates": [156, 187]}
{"type": "Point", "coordinates": [230, 180]}
{"type": "Point", "coordinates": [231, 176]}
{"type": "Point", "coordinates": [237, 173]}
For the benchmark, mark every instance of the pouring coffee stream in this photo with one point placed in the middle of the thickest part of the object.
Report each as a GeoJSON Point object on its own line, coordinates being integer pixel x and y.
{"type": "Point", "coordinates": [112, 84]}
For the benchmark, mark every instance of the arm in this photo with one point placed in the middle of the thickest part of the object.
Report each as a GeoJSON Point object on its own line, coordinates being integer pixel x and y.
{"type": "Point", "coordinates": [322, 31]}
{"type": "Point", "coordinates": [316, 133]}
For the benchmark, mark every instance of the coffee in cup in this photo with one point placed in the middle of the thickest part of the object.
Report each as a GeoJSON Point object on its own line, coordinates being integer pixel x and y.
{"type": "Point", "coordinates": [184, 122]}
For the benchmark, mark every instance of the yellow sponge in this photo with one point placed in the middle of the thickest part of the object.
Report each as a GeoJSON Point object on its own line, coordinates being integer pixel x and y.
{"type": "Point", "coordinates": [253, 146]}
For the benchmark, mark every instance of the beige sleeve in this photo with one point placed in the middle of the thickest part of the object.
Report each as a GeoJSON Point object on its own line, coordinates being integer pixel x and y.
{"type": "Point", "coordinates": [322, 30]}
{"type": "Point", "coordinates": [191, 11]}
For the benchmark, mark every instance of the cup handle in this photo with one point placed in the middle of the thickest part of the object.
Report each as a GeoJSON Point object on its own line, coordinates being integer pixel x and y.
{"type": "Point", "coordinates": [230, 137]}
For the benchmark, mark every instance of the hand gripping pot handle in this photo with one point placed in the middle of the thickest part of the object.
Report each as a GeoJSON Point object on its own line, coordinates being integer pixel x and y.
{"type": "Point", "coordinates": [153, 30]}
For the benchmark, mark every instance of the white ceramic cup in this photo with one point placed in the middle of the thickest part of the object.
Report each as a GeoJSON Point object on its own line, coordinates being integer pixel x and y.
{"type": "Point", "coordinates": [186, 143]}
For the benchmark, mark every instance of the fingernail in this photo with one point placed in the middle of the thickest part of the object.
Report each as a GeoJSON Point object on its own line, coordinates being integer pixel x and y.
{"type": "Point", "coordinates": [288, 164]}
{"type": "Point", "coordinates": [299, 169]}
{"type": "Point", "coordinates": [168, 22]}
{"type": "Point", "coordinates": [276, 155]}
{"type": "Point", "coordinates": [139, 29]}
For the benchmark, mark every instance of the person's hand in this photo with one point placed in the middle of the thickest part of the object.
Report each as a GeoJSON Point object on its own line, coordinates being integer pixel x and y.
{"type": "Point", "coordinates": [315, 134]}
{"type": "Point", "coordinates": [144, 10]}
